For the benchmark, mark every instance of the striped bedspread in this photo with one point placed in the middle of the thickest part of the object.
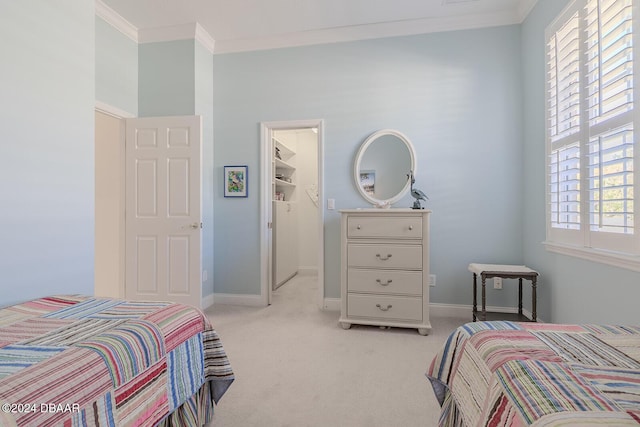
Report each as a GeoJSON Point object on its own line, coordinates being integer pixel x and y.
{"type": "Point", "coordinates": [517, 374]}
{"type": "Point", "coordinates": [83, 361]}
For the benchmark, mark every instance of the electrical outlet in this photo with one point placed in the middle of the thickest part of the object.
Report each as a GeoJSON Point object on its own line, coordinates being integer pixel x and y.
{"type": "Point", "coordinates": [432, 280]}
{"type": "Point", "coordinates": [497, 283]}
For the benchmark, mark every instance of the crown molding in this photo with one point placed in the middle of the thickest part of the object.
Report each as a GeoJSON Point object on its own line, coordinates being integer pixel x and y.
{"type": "Point", "coordinates": [114, 19]}
{"type": "Point", "coordinates": [165, 34]}
{"type": "Point", "coordinates": [525, 7]}
{"type": "Point", "coordinates": [192, 30]}
{"type": "Point", "coordinates": [177, 32]}
{"type": "Point", "coordinates": [313, 37]}
{"type": "Point", "coordinates": [367, 31]}
{"type": "Point", "coordinates": [205, 38]}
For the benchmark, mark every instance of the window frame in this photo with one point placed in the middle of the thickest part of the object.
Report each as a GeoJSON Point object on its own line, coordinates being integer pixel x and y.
{"type": "Point", "coordinates": [621, 250]}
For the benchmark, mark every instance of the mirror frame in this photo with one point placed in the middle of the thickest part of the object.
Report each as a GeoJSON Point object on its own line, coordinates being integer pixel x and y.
{"type": "Point", "coordinates": [356, 167]}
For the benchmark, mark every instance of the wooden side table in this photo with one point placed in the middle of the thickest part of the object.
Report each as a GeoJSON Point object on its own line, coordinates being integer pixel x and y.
{"type": "Point", "coordinates": [519, 272]}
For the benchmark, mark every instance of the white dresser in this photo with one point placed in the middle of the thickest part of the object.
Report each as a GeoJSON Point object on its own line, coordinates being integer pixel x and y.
{"type": "Point", "coordinates": [385, 268]}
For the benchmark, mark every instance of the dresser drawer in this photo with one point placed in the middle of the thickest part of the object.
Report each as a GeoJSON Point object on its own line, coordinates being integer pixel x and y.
{"type": "Point", "coordinates": [385, 307]}
{"type": "Point", "coordinates": [384, 256]}
{"type": "Point", "coordinates": [384, 227]}
{"type": "Point", "coordinates": [385, 281]}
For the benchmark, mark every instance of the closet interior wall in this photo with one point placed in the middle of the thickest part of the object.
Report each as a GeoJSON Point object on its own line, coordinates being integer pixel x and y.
{"type": "Point", "coordinates": [295, 204]}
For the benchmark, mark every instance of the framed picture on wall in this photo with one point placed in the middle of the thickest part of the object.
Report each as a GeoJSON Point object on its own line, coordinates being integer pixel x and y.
{"type": "Point", "coordinates": [235, 181]}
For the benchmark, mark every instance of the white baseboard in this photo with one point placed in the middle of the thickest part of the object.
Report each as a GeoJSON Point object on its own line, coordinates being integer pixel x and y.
{"type": "Point", "coordinates": [331, 304]}
{"type": "Point", "coordinates": [239, 299]}
{"type": "Point", "coordinates": [207, 301]}
{"type": "Point", "coordinates": [461, 310]}
{"type": "Point", "coordinates": [451, 310]}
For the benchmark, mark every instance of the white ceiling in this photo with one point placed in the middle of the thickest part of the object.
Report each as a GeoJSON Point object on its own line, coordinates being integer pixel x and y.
{"type": "Point", "coordinates": [254, 24]}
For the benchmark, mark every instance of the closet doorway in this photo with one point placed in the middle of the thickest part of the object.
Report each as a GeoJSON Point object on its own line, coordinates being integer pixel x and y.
{"type": "Point", "coordinates": [292, 217]}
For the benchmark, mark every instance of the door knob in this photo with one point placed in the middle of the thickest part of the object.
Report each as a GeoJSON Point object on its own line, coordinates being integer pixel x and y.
{"type": "Point", "coordinates": [196, 225]}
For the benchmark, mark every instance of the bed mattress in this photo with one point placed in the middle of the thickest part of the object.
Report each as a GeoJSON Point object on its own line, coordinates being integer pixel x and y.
{"type": "Point", "coordinates": [515, 374]}
{"type": "Point", "coordinates": [81, 361]}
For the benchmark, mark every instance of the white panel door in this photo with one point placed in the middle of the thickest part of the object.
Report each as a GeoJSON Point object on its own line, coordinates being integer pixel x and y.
{"type": "Point", "coordinates": [285, 241]}
{"type": "Point", "coordinates": [163, 209]}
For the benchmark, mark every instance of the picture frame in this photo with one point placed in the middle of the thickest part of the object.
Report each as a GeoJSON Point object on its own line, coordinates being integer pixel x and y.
{"type": "Point", "coordinates": [236, 183]}
{"type": "Point", "coordinates": [368, 181]}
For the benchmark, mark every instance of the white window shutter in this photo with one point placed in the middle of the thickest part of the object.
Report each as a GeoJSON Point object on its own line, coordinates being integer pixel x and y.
{"type": "Point", "coordinates": [564, 189]}
{"type": "Point", "coordinates": [609, 59]}
{"type": "Point", "coordinates": [609, 56]}
{"type": "Point", "coordinates": [590, 130]}
{"type": "Point", "coordinates": [611, 181]}
{"type": "Point", "coordinates": [563, 73]}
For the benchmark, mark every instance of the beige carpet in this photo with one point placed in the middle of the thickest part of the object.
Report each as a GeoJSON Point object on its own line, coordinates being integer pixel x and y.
{"type": "Point", "coordinates": [296, 367]}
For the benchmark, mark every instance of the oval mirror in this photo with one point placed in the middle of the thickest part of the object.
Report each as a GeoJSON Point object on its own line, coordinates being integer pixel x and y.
{"type": "Point", "coordinates": [382, 164]}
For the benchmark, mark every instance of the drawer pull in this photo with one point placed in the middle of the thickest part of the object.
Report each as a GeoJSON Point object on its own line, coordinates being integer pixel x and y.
{"type": "Point", "coordinates": [383, 259]}
{"type": "Point", "coordinates": [358, 227]}
{"type": "Point", "coordinates": [384, 284]}
{"type": "Point", "coordinates": [383, 309]}
{"type": "Point", "coordinates": [410, 227]}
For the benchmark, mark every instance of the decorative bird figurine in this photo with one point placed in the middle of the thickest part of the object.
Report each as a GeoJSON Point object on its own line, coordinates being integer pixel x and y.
{"type": "Point", "coordinates": [417, 194]}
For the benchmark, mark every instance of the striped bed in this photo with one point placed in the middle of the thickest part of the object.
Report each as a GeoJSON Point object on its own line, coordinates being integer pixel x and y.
{"type": "Point", "coordinates": [81, 361]}
{"type": "Point", "coordinates": [517, 374]}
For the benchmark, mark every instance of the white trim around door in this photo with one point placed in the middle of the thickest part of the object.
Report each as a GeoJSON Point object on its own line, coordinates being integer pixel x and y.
{"type": "Point", "coordinates": [109, 206]}
{"type": "Point", "coordinates": [113, 111]}
{"type": "Point", "coordinates": [114, 163]}
{"type": "Point", "coordinates": [266, 206]}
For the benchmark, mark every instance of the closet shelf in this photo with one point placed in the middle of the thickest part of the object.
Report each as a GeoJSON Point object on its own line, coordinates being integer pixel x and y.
{"type": "Point", "coordinates": [285, 151]}
{"type": "Point", "coordinates": [281, 164]}
{"type": "Point", "coordinates": [284, 173]}
{"type": "Point", "coordinates": [284, 183]}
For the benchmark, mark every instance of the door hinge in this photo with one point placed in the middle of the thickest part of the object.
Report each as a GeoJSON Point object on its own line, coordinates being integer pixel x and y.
{"type": "Point", "coordinates": [270, 225]}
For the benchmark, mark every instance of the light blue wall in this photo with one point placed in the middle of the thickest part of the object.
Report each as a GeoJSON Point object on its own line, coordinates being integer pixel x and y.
{"type": "Point", "coordinates": [116, 68]}
{"type": "Point", "coordinates": [46, 155]}
{"type": "Point", "coordinates": [166, 78]}
{"type": "Point", "coordinates": [176, 78]}
{"type": "Point", "coordinates": [456, 95]}
{"type": "Point", "coordinates": [571, 290]}
{"type": "Point", "coordinates": [472, 102]}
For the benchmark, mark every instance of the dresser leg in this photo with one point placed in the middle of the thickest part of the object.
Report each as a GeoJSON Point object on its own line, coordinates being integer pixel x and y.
{"type": "Point", "coordinates": [345, 325]}
{"type": "Point", "coordinates": [423, 331]}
